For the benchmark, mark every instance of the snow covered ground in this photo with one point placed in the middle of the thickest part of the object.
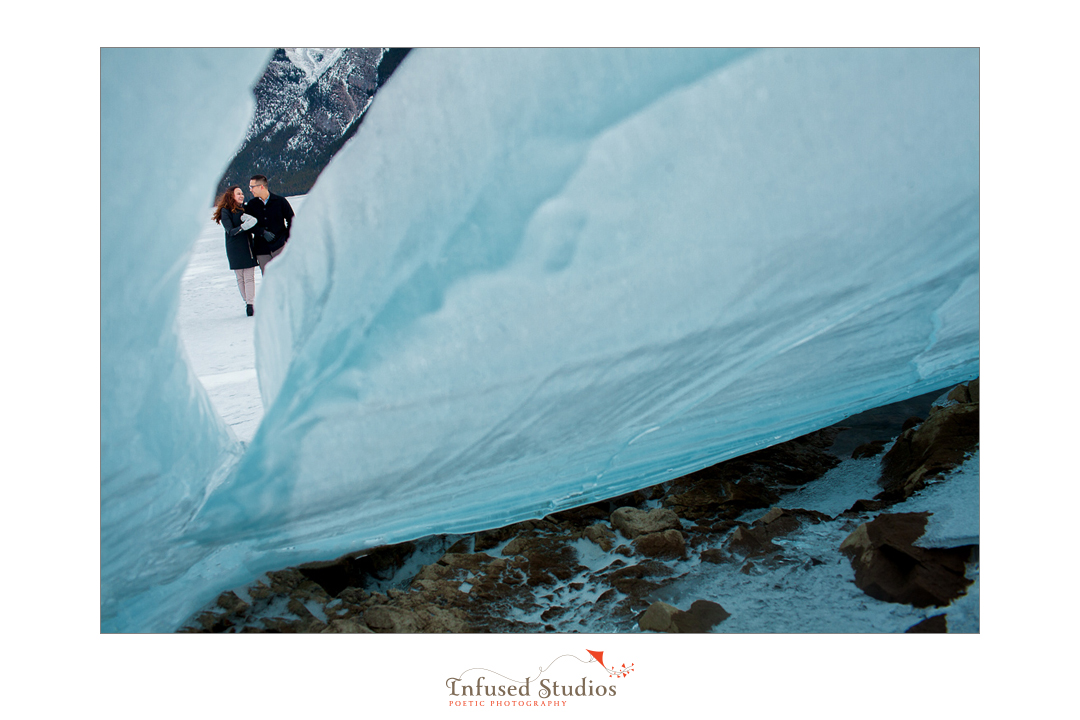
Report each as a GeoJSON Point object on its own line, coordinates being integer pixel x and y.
{"type": "Point", "coordinates": [218, 335]}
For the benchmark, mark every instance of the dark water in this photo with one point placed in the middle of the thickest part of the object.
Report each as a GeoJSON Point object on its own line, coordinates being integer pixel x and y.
{"type": "Point", "coordinates": [882, 423]}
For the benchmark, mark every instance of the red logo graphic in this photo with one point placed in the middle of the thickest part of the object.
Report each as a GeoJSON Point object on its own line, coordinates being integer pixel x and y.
{"type": "Point", "coordinates": [612, 671]}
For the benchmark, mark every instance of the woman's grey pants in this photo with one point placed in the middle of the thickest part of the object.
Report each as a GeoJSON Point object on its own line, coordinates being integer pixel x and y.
{"type": "Point", "coordinates": [245, 280]}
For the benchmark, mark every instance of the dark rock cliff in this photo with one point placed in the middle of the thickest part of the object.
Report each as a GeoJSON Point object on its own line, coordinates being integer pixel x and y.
{"type": "Point", "coordinates": [307, 106]}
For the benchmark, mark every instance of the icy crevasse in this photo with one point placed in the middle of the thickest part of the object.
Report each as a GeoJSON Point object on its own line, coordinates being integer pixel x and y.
{"type": "Point", "coordinates": [539, 278]}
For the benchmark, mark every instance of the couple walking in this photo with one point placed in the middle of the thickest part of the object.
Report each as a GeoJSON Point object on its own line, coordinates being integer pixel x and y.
{"type": "Point", "coordinates": [255, 232]}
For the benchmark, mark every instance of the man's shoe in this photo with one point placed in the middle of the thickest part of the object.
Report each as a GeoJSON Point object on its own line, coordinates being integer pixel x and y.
{"type": "Point", "coordinates": [251, 309]}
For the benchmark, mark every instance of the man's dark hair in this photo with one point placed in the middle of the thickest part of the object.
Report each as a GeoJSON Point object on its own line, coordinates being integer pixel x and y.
{"type": "Point", "coordinates": [260, 180]}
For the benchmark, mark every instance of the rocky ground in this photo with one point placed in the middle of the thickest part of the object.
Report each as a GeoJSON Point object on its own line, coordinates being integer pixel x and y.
{"type": "Point", "coordinates": [611, 566]}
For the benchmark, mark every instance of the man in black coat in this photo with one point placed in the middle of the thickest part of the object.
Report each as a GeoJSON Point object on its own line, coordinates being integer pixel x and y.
{"type": "Point", "coordinates": [275, 218]}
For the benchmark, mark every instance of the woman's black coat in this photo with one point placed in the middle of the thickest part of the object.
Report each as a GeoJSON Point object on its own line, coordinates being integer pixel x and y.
{"type": "Point", "coordinates": [237, 241]}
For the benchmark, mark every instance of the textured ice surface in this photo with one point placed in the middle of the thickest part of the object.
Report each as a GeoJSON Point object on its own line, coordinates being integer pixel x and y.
{"type": "Point", "coordinates": [539, 278]}
{"type": "Point", "coordinates": [168, 119]}
{"type": "Point", "coordinates": [576, 288]}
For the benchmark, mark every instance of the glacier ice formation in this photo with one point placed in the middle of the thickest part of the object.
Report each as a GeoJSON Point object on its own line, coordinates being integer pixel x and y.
{"type": "Point", "coordinates": [534, 279]}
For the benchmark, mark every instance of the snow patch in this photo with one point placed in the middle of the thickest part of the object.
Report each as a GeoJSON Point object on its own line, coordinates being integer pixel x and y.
{"type": "Point", "coordinates": [313, 61]}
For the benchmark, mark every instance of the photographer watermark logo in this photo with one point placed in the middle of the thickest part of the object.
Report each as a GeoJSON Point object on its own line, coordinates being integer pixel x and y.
{"type": "Point", "coordinates": [482, 687]}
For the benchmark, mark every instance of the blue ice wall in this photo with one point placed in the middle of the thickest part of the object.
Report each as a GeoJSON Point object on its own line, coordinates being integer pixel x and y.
{"type": "Point", "coordinates": [540, 278]}
{"type": "Point", "coordinates": [169, 121]}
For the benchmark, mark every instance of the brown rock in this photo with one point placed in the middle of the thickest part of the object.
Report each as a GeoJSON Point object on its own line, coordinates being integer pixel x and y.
{"type": "Point", "coordinates": [353, 596]}
{"type": "Point", "coordinates": [501, 580]}
{"type": "Point", "coordinates": [752, 481]}
{"type": "Point", "coordinates": [231, 603]}
{"type": "Point", "coordinates": [973, 390]}
{"type": "Point", "coordinates": [749, 543]}
{"type": "Point", "coordinates": [260, 591]}
{"type": "Point", "coordinates": [668, 544]}
{"type": "Point", "coordinates": [959, 394]}
{"type": "Point", "coordinates": [632, 522]}
{"type": "Point", "coordinates": [387, 619]}
{"type": "Point", "coordinates": [863, 506]}
{"type": "Point", "coordinates": [296, 584]}
{"type": "Point", "coordinates": [211, 622]}
{"type": "Point", "coordinates": [702, 616]}
{"type": "Point", "coordinates": [552, 612]}
{"type": "Point", "coordinates": [462, 561]}
{"type": "Point", "coordinates": [935, 624]}
{"type": "Point", "coordinates": [659, 617]}
{"type": "Point", "coordinates": [938, 445]}
{"type": "Point", "coordinates": [797, 461]}
{"type": "Point", "coordinates": [698, 539]}
{"type": "Point", "coordinates": [722, 527]}
{"type": "Point", "coordinates": [696, 501]}
{"type": "Point", "coordinates": [889, 567]}
{"type": "Point", "coordinates": [434, 572]}
{"type": "Point", "coordinates": [748, 494]}
{"type": "Point", "coordinates": [639, 580]}
{"type": "Point", "coordinates": [354, 569]}
{"type": "Point", "coordinates": [464, 545]}
{"type": "Point", "coordinates": [714, 555]}
{"type": "Point", "coordinates": [634, 499]}
{"type": "Point", "coordinates": [580, 517]}
{"type": "Point", "coordinates": [307, 618]}
{"type": "Point", "coordinates": [602, 535]}
{"type": "Point", "coordinates": [869, 449]}
{"type": "Point", "coordinates": [544, 559]}
{"type": "Point", "coordinates": [347, 625]}
{"type": "Point", "coordinates": [339, 610]}
{"type": "Point", "coordinates": [517, 546]}
{"type": "Point", "coordinates": [911, 422]}
{"type": "Point", "coordinates": [439, 620]}
{"type": "Point", "coordinates": [781, 521]}
{"type": "Point", "coordinates": [281, 625]}
{"type": "Point", "coordinates": [488, 539]}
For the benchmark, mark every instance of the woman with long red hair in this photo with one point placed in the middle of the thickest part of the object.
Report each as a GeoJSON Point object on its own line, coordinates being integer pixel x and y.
{"type": "Point", "coordinates": [229, 213]}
